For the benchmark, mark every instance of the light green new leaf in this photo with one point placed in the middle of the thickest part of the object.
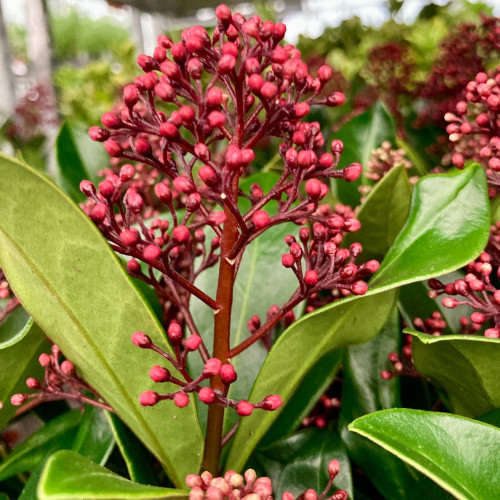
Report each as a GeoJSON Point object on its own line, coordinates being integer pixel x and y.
{"type": "Point", "coordinates": [459, 454]}
{"type": "Point", "coordinates": [435, 240]}
{"type": "Point", "coordinates": [467, 367]}
{"type": "Point", "coordinates": [69, 476]}
{"type": "Point", "coordinates": [75, 288]}
{"type": "Point", "coordinates": [15, 327]}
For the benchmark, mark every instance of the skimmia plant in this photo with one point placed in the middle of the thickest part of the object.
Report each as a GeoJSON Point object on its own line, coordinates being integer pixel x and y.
{"type": "Point", "coordinates": [225, 320]}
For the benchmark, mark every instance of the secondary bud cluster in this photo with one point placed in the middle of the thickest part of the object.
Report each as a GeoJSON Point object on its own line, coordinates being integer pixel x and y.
{"type": "Point", "coordinates": [212, 367]}
{"type": "Point", "coordinates": [248, 486]}
{"type": "Point", "coordinates": [476, 291]}
{"type": "Point", "coordinates": [474, 129]}
{"type": "Point", "coordinates": [60, 382]}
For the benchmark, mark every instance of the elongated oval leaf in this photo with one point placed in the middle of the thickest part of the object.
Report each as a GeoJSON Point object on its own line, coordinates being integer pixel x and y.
{"type": "Point", "coordinates": [361, 136]}
{"type": "Point", "coordinates": [467, 367]}
{"type": "Point", "coordinates": [57, 434]}
{"type": "Point", "coordinates": [350, 321]}
{"type": "Point", "coordinates": [75, 288]}
{"type": "Point", "coordinates": [300, 462]}
{"type": "Point", "coordinates": [382, 215]}
{"type": "Point", "coordinates": [68, 475]}
{"type": "Point", "coordinates": [447, 227]}
{"type": "Point", "coordinates": [308, 339]}
{"type": "Point", "coordinates": [17, 363]}
{"type": "Point", "coordinates": [459, 454]}
{"type": "Point", "coordinates": [17, 324]}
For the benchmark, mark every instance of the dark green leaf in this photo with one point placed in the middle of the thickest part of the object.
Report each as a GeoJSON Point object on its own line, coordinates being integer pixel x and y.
{"type": "Point", "coordinates": [364, 391]}
{"type": "Point", "coordinates": [57, 434]}
{"type": "Point", "coordinates": [350, 321]}
{"type": "Point", "coordinates": [492, 417]}
{"type": "Point", "coordinates": [133, 452]}
{"type": "Point", "coordinates": [15, 327]}
{"type": "Point", "coordinates": [300, 462]}
{"type": "Point", "coordinates": [29, 490]}
{"type": "Point", "coordinates": [17, 363]}
{"type": "Point", "coordinates": [68, 475]}
{"type": "Point", "coordinates": [94, 439]}
{"type": "Point", "coordinates": [382, 215]}
{"type": "Point", "coordinates": [447, 227]}
{"type": "Point", "coordinates": [361, 136]}
{"type": "Point", "coordinates": [77, 158]}
{"type": "Point", "coordinates": [78, 292]}
{"type": "Point", "coordinates": [459, 454]}
{"type": "Point", "coordinates": [314, 384]}
{"type": "Point", "coordinates": [467, 367]}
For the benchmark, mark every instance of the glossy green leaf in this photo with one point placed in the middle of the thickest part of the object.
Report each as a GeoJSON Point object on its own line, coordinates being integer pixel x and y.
{"type": "Point", "coordinates": [261, 282]}
{"type": "Point", "coordinates": [361, 136]}
{"type": "Point", "coordinates": [459, 454]}
{"type": "Point", "coordinates": [29, 490]}
{"type": "Point", "coordinates": [78, 292]}
{"type": "Point", "coordinates": [15, 327]}
{"type": "Point", "coordinates": [68, 475]}
{"type": "Point", "coordinates": [94, 439]}
{"type": "Point", "coordinates": [133, 452]}
{"type": "Point", "coordinates": [300, 462]}
{"type": "Point", "coordinates": [57, 434]}
{"type": "Point", "coordinates": [447, 227]}
{"type": "Point", "coordinates": [17, 363]}
{"type": "Point", "coordinates": [382, 215]}
{"type": "Point", "coordinates": [77, 158]}
{"type": "Point", "coordinates": [466, 366]}
{"type": "Point", "coordinates": [364, 391]}
{"type": "Point", "coordinates": [350, 321]}
{"type": "Point", "coordinates": [314, 384]}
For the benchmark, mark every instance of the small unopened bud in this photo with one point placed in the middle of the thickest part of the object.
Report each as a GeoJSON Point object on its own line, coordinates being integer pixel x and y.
{"type": "Point", "coordinates": [206, 395]}
{"type": "Point", "coordinates": [228, 373]}
{"type": "Point", "coordinates": [174, 332]}
{"type": "Point", "coordinates": [140, 339]}
{"type": "Point", "coordinates": [333, 468]}
{"type": "Point", "coordinates": [32, 383]}
{"type": "Point", "coordinates": [311, 278]}
{"type": "Point", "coordinates": [352, 172]}
{"type": "Point", "coordinates": [113, 148]}
{"type": "Point", "coordinates": [87, 188]}
{"type": "Point", "coordinates": [99, 213]}
{"type": "Point", "coordinates": [181, 399]}
{"type": "Point", "coordinates": [68, 368]}
{"type": "Point", "coordinates": [244, 409]}
{"type": "Point", "coordinates": [193, 342]}
{"type": "Point", "coordinates": [272, 402]}
{"type": "Point", "coordinates": [260, 219]}
{"type": "Point", "coordinates": [149, 398]}
{"type": "Point", "coordinates": [212, 367]}
{"type": "Point", "coordinates": [151, 252]}
{"type": "Point", "coordinates": [159, 374]}
{"type": "Point", "coordinates": [18, 399]}
{"type": "Point", "coordinates": [359, 288]}
{"type": "Point", "coordinates": [181, 234]}
{"type": "Point", "coordinates": [450, 302]}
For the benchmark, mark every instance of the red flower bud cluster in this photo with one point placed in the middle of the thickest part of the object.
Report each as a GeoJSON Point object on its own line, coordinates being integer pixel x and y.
{"type": "Point", "coordinates": [60, 382]}
{"type": "Point", "coordinates": [248, 486]}
{"type": "Point", "coordinates": [212, 367]}
{"type": "Point", "coordinates": [478, 292]}
{"type": "Point", "coordinates": [474, 129]}
{"type": "Point", "coordinates": [12, 302]}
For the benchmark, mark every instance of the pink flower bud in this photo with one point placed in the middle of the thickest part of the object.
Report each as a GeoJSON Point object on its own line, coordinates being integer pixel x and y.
{"type": "Point", "coordinates": [181, 234]}
{"type": "Point", "coordinates": [183, 184]}
{"type": "Point", "coordinates": [68, 368]}
{"type": "Point", "coordinates": [233, 157]}
{"type": "Point", "coordinates": [207, 175]}
{"type": "Point", "coordinates": [130, 95]}
{"type": "Point", "coordinates": [352, 172]}
{"type": "Point", "coordinates": [217, 218]}
{"type": "Point", "coordinates": [223, 13]}
{"type": "Point", "coordinates": [193, 480]}
{"type": "Point", "coordinates": [99, 213]}
{"type": "Point", "coordinates": [174, 332]}
{"type": "Point", "coordinates": [113, 148]}
{"type": "Point", "coordinates": [335, 99]}
{"type": "Point", "coordinates": [32, 383]}
{"type": "Point", "coordinates": [106, 188]}
{"type": "Point", "coordinates": [202, 152]}
{"type": "Point", "coordinates": [226, 64]}
{"type": "Point", "coordinates": [244, 409]}
{"type": "Point", "coordinates": [255, 82]}
{"type": "Point", "coordinates": [110, 120]}
{"type": "Point", "coordinates": [214, 97]}
{"type": "Point", "coordinates": [477, 317]}
{"type": "Point", "coordinates": [193, 342]}
{"type": "Point", "coordinates": [314, 189]}
{"type": "Point", "coordinates": [134, 201]}
{"type": "Point", "coordinates": [301, 109]}
{"type": "Point", "coordinates": [216, 119]}
{"type": "Point", "coordinates": [171, 70]}
{"type": "Point", "coordinates": [206, 395]}
{"type": "Point", "coordinates": [87, 188]}
{"type": "Point", "coordinates": [291, 157]}
{"type": "Point", "coordinates": [311, 278]}
{"type": "Point", "coordinates": [340, 495]}
{"type": "Point", "coordinates": [247, 156]}
{"type": "Point", "coordinates": [492, 333]}
{"type": "Point", "coordinates": [133, 266]}
{"type": "Point", "coordinates": [147, 63]}
{"type": "Point", "coordinates": [212, 367]}
{"type": "Point", "coordinates": [273, 402]}
{"type": "Point", "coordinates": [260, 219]}
{"type": "Point", "coordinates": [151, 252]}
{"type": "Point", "coordinates": [18, 399]}
{"type": "Point", "coordinates": [228, 373]}
{"type": "Point", "coordinates": [450, 302]}
{"type": "Point", "coordinates": [359, 288]}
{"type": "Point", "coordinates": [168, 130]}
{"type": "Point", "coordinates": [149, 398]}
{"type": "Point", "coordinates": [159, 374]}
{"type": "Point", "coordinates": [324, 73]}
{"type": "Point", "coordinates": [44, 360]}
{"type": "Point", "coordinates": [165, 92]}
{"type": "Point", "coordinates": [127, 172]}
{"type": "Point", "coordinates": [162, 192]}
{"type": "Point", "coordinates": [333, 468]}
{"type": "Point", "coordinates": [269, 90]}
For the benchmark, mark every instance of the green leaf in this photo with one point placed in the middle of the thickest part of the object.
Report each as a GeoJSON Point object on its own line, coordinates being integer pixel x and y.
{"type": "Point", "coordinates": [77, 158]}
{"type": "Point", "coordinates": [57, 434]}
{"type": "Point", "coordinates": [447, 227]}
{"type": "Point", "coordinates": [133, 452]}
{"type": "Point", "coordinates": [314, 384]}
{"type": "Point", "coordinates": [300, 462]}
{"type": "Point", "coordinates": [17, 363]}
{"type": "Point", "coordinates": [361, 136]}
{"type": "Point", "coordinates": [78, 292]}
{"type": "Point", "coordinates": [364, 391]}
{"type": "Point", "coordinates": [459, 454]}
{"type": "Point", "coordinates": [94, 439]}
{"type": "Point", "coordinates": [382, 215]}
{"type": "Point", "coordinates": [467, 367]}
{"type": "Point", "coordinates": [427, 246]}
{"type": "Point", "coordinates": [418, 162]}
{"type": "Point", "coordinates": [29, 490]}
{"type": "Point", "coordinates": [68, 475]}
{"type": "Point", "coordinates": [350, 321]}
{"type": "Point", "coordinates": [15, 327]}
